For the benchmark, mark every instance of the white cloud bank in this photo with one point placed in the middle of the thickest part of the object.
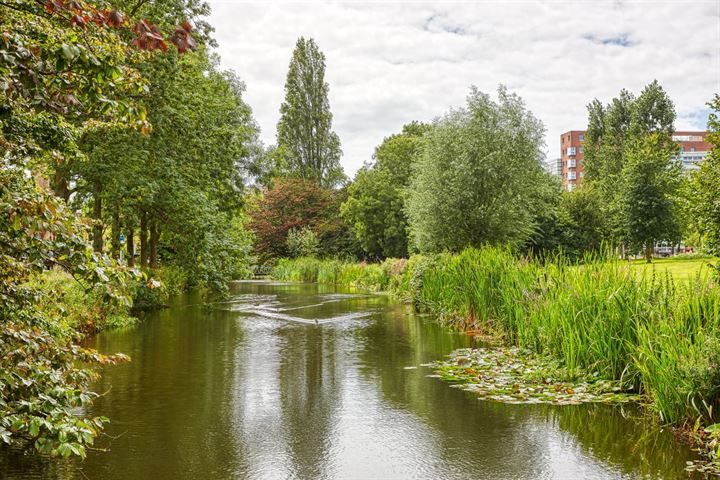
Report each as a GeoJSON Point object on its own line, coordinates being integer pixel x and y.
{"type": "Point", "coordinates": [389, 63]}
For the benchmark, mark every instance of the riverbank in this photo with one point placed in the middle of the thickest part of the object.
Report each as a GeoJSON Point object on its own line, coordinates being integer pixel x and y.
{"type": "Point", "coordinates": [658, 336]}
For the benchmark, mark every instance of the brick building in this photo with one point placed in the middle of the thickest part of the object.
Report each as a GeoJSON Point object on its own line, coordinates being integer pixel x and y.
{"type": "Point", "coordinates": [694, 148]}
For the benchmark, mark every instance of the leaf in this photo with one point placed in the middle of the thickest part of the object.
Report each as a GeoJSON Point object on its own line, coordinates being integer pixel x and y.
{"type": "Point", "coordinates": [70, 51]}
{"type": "Point", "coordinates": [713, 429]}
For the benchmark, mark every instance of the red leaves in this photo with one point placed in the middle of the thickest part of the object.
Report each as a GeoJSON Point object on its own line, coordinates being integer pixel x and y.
{"type": "Point", "coordinates": [147, 35]}
{"type": "Point", "coordinates": [111, 18]}
{"type": "Point", "coordinates": [52, 6]}
{"type": "Point", "coordinates": [78, 20]}
{"type": "Point", "coordinates": [115, 19]}
{"type": "Point", "coordinates": [182, 38]}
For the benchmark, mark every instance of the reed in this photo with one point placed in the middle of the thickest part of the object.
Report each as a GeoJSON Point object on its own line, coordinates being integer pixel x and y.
{"type": "Point", "coordinates": [597, 316]}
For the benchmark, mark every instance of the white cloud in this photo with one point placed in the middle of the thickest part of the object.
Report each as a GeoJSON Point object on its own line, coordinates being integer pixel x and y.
{"type": "Point", "coordinates": [391, 63]}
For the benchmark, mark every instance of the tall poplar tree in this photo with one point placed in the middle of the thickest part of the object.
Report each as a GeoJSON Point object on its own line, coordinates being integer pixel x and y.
{"type": "Point", "coordinates": [304, 132]}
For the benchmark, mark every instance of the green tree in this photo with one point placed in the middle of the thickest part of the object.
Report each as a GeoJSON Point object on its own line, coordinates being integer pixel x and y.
{"type": "Point", "coordinates": [45, 377]}
{"type": "Point", "coordinates": [583, 223]}
{"type": "Point", "coordinates": [651, 177]}
{"type": "Point", "coordinates": [477, 175]}
{"type": "Point", "coordinates": [304, 132]}
{"type": "Point", "coordinates": [705, 184]}
{"type": "Point", "coordinates": [615, 132]}
{"type": "Point", "coordinates": [302, 243]}
{"type": "Point", "coordinates": [375, 207]}
{"type": "Point", "coordinates": [64, 70]}
{"type": "Point", "coordinates": [179, 187]}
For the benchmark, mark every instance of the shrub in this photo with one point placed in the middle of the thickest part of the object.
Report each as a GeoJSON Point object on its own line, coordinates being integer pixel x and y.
{"type": "Point", "coordinates": [302, 242]}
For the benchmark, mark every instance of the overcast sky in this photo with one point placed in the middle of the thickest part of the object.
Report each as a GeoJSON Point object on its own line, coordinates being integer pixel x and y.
{"type": "Point", "coordinates": [389, 63]}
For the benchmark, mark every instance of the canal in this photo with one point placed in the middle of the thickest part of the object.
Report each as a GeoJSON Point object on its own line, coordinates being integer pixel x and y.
{"type": "Point", "coordinates": [311, 382]}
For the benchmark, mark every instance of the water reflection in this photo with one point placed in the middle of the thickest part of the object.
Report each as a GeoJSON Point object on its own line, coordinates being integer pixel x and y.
{"type": "Point", "coordinates": [254, 388]}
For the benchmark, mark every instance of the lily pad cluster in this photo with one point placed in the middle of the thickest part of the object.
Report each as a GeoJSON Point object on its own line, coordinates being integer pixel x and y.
{"type": "Point", "coordinates": [514, 375]}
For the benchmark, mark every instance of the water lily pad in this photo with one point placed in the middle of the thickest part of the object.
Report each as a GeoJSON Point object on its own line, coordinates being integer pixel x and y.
{"type": "Point", "coordinates": [513, 375]}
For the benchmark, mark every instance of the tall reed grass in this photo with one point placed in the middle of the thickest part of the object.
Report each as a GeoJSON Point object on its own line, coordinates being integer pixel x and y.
{"type": "Point", "coordinates": [657, 336]}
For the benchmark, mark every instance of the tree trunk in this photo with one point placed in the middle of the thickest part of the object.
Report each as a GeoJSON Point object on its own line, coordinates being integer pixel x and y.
{"type": "Point", "coordinates": [144, 240]}
{"type": "Point", "coordinates": [60, 185]}
{"type": "Point", "coordinates": [116, 231]}
{"type": "Point", "coordinates": [97, 216]}
{"type": "Point", "coordinates": [154, 239]}
{"type": "Point", "coordinates": [649, 253]}
{"type": "Point", "coordinates": [131, 247]}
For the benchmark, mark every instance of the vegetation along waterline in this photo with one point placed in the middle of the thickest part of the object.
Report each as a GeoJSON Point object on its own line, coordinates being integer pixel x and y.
{"type": "Point", "coordinates": [655, 335]}
{"type": "Point", "coordinates": [133, 168]}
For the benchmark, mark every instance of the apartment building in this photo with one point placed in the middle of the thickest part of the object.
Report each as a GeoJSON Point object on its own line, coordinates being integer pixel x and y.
{"type": "Point", "coordinates": [554, 166]}
{"type": "Point", "coordinates": [571, 157]}
{"type": "Point", "coordinates": [694, 147]}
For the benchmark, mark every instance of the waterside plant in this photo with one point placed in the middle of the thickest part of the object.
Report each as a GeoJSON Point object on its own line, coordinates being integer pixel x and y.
{"type": "Point", "coordinates": [652, 335]}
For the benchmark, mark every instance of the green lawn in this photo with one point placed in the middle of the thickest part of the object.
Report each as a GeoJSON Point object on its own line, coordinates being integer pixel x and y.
{"type": "Point", "coordinates": [679, 268]}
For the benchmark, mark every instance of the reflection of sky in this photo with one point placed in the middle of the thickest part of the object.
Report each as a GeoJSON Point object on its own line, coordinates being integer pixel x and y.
{"type": "Point", "coordinates": [236, 392]}
{"type": "Point", "coordinates": [306, 406]}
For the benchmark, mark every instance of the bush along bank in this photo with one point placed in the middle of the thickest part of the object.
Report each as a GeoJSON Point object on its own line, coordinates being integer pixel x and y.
{"type": "Point", "coordinates": [647, 335]}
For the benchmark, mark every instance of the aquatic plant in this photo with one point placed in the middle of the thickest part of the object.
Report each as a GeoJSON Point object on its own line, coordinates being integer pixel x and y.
{"type": "Point", "coordinates": [650, 334]}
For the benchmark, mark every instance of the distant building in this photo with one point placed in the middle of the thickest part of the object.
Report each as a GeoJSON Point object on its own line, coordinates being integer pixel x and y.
{"type": "Point", "coordinates": [553, 167]}
{"type": "Point", "coordinates": [694, 148]}
{"type": "Point", "coordinates": [571, 158]}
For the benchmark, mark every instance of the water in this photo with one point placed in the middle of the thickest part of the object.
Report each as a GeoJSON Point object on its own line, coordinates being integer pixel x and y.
{"type": "Point", "coordinates": [254, 388]}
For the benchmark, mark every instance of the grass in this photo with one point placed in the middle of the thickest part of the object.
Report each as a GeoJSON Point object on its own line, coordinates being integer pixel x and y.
{"type": "Point", "coordinates": [681, 268]}
{"type": "Point", "coordinates": [656, 331]}
{"type": "Point", "coordinates": [76, 309]}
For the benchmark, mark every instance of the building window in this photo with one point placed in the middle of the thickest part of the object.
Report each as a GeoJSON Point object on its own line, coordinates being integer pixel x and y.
{"type": "Point", "coordinates": [571, 151]}
{"type": "Point", "coordinates": [570, 187]}
{"type": "Point", "coordinates": [692, 149]}
{"type": "Point", "coordinates": [581, 137]}
{"type": "Point", "coordinates": [572, 175]}
{"type": "Point", "coordinates": [571, 163]}
{"type": "Point", "coordinates": [581, 150]}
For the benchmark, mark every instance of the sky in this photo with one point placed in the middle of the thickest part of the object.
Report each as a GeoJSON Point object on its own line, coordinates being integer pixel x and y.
{"type": "Point", "coordinates": [389, 63]}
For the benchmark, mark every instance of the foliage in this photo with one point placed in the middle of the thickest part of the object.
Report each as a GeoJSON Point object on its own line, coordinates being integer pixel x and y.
{"type": "Point", "coordinates": [302, 243]}
{"type": "Point", "coordinates": [598, 318]}
{"type": "Point", "coordinates": [705, 185]}
{"type": "Point", "coordinates": [651, 178]}
{"type": "Point", "coordinates": [620, 159]}
{"type": "Point", "coordinates": [65, 66]}
{"type": "Point", "coordinates": [304, 135]}
{"type": "Point", "coordinates": [375, 207]}
{"type": "Point", "coordinates": [73, 308]}
{"type": "Point", "coordinates": [293, 203]}
{"type": "Point", "coordinates": [180, 185]}
{"type": "Point", "coordinates": [476, 176]}
{"type": "Point", "coordinates": [40, 384]}
{"type": "Point", "coordinates": [583, 224]}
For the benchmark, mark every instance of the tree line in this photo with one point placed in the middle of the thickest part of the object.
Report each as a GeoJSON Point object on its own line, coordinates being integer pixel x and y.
{"type": "Point", "coordinates": [474, 176]}
{"type": "Point", "coordinates": [116, 119]}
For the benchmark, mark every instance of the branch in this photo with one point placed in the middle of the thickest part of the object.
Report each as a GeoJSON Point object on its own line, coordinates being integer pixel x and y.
{"type": "Point", "coordinates": [137, 7]}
